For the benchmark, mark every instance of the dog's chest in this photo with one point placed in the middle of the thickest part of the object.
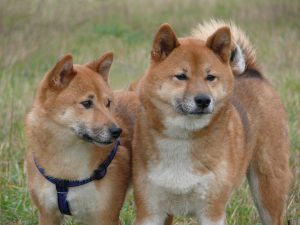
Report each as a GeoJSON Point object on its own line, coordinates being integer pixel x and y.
{"type": "Point", "coordinates": [87, 199]}
{"type": "Point", "coordinates": [175, 168]}
{"type": "Point", "coordinates": [174, 183]}
{"type": "Point", "coordinates": [83, 200]}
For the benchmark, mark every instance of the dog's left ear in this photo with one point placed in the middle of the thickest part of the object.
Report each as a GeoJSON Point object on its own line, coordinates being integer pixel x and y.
{"type": "Point", "coordinates": [102, 65]}
{"type": "Point", "coordinates": [220, 42]}
{"type": "Point", "coordinates": [165, 41]}
{"type": "Point", "coordinates": [62, 73]}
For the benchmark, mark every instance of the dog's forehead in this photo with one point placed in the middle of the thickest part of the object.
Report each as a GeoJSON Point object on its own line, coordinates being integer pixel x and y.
{"type": "Point", "coordinates": [88, 81]}
{"type": "Point", "coordinates": [195, 48]}
{"type": "Point", "coordinates": [191, 41]}
{"type": "Point", "coordinates": [194, 54]}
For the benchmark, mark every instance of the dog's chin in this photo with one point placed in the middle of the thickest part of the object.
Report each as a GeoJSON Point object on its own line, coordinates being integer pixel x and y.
{"type": "Point", "coordinates": [198, 113]}
{"type": "Point", "coordinates": [100, 143]}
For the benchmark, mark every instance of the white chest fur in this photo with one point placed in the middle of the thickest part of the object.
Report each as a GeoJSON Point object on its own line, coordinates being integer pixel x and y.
{"type": "Point", "coordinates": [87, 199]}
{"type": "Point", "coordinates": [175, 185]}
{"type": "Point", "coordinates": [175, 171]}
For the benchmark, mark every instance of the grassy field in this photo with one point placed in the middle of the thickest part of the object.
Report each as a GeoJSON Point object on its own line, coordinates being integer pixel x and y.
{"type": "Point", "coordinates": [35, 33]}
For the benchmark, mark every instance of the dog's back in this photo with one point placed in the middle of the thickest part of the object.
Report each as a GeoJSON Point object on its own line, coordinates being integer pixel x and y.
{"type": "Point", "coordinates": [126, 108]}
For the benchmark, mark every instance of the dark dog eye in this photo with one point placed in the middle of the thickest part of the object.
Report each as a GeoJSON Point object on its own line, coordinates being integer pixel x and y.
{"type": "Point", "coordinates": [108, 103]}
{"type": "Point", "coordinates": [181, 76]}
{"type": "Point", "coordinates": [210, 77]}
{"type": "Point", "coordinates": [87, 104]}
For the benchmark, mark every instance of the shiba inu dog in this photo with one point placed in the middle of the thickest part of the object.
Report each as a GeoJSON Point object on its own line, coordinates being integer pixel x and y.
{"type": "Point", "coordinates": [74, 163]}
{"type": "Point", "coordinates": [208, 118]}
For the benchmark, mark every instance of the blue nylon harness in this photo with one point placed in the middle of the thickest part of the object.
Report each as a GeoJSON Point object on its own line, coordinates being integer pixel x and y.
{"type": "Point", "coordinates": [62, 185]}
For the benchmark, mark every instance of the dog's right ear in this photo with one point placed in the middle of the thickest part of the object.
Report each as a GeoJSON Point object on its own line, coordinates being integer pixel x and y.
{"type": "Point", "coordinates": [164, 43]}
{"type": "Point", "coordinates": [62, 73]}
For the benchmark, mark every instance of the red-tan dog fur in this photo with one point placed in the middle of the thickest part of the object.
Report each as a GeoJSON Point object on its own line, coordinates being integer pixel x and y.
{"type": "Point", "coordinates": [208, 118]}
{"type": "Point", "coordinates": [73, 101]}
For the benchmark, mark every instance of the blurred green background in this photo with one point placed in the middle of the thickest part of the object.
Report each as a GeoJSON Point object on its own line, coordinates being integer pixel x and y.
{"type": "Point", "coordinates": [35, 33]}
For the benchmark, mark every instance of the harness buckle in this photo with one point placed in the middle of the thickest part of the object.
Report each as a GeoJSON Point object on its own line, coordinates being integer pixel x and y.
{"type": "Point", "coordinates": [100, 173]}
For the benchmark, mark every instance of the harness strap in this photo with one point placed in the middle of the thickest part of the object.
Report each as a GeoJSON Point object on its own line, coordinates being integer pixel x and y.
{"type": "Point", "coordinates": [62, 185]}
{"type": "Point", "coordinates": [62, 193]}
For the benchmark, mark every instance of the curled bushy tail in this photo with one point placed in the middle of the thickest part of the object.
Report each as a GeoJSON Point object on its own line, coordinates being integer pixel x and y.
{"type": "Point", "coordinates": [243, 53]}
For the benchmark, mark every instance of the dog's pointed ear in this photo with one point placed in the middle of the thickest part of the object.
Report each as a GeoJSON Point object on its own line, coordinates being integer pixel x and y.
{"type": "Point", "coordinates": [220, 42]}
{"type": "Point", "coordinates": [102, 65]}
{"type": "Point", "coordinates": [62, 73]}
{"type": "Point", "coordinates": [165, 41]}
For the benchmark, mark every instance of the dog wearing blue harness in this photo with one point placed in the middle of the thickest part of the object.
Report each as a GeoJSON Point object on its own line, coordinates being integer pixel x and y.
{"type": "Point", "coordinates": [77, 162]}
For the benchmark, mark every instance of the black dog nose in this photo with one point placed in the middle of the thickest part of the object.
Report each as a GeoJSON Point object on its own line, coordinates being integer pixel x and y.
{"type": "Point", "coordinates": [202, 101]}
{"type": "Point", "coordinates": [115, 131]}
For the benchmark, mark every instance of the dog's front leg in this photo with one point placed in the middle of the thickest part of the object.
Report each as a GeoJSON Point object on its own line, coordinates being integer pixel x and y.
{"type": "Point", "coordinates": [157, 219]}
{"type": "Point", "coordinates": [212, 216]}
{"type": "Point", "coordinates": [49, 218]}
{"type": "Point", "coordinates": [203, 220]}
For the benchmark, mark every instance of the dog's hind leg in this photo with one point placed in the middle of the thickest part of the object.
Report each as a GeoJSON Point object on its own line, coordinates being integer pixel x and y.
{"type": "Point", "coordinates": [269, 183]}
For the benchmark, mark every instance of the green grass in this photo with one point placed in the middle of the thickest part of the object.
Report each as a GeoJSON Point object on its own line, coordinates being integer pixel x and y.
{"type": "Point", "coordinates": [34, 34]}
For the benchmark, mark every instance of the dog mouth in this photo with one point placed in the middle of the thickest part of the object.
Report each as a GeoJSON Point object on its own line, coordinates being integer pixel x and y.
{"type": "Point", "coordinates": [196, 112]}
{"type": "Point", "coordinates": [90, 139]}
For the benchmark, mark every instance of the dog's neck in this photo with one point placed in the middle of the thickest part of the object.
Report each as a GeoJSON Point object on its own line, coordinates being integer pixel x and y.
{"type": "Point", "coordinates": [61, 153]}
